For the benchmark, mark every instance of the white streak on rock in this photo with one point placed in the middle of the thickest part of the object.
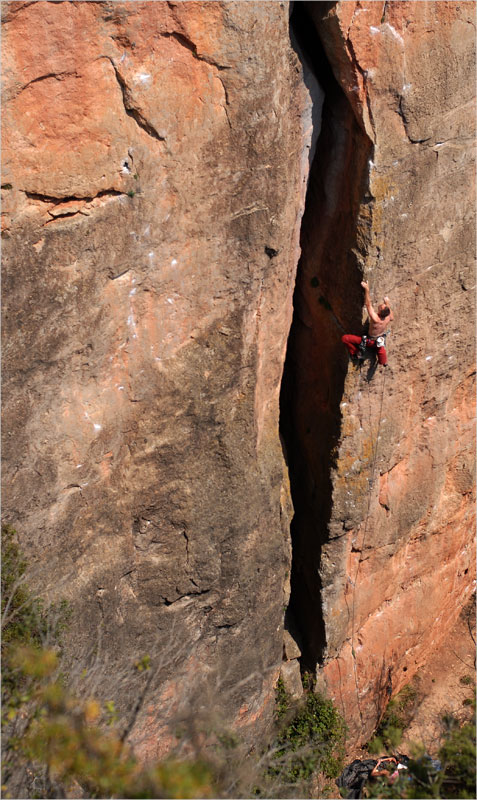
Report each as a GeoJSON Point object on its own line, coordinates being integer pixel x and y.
{"type": "Point", "coordinates": [142, 77]}
{"type": "Point", "coordinates": [394, 33]}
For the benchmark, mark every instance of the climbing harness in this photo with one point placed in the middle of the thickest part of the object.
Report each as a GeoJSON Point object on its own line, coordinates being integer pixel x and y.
{"type": "Point", "coordinates": [370, 341]}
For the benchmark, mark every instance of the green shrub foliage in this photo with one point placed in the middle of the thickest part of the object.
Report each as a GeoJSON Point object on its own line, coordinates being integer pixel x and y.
{"type": "Point", "coordinates": [313, 740]}
{"type": "Point", "coordinates": [456, 777]}
{"type": "Point", "coordinates": [396, 719]}
{"type": "Point", "coordinates": [52, 738]}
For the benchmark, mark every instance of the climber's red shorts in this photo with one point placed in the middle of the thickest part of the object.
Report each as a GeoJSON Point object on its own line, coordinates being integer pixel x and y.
{"type": "Point", "coordinates": [352, 343]}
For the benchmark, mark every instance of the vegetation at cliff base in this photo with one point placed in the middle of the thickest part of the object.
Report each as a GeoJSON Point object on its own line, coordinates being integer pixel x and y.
{"type": "Point", "coordinates": [458, 754]}
{"type": "Point", "coordinates": [53, 738]}
{"type": "Point", "coordinates": [451, 775]}
{"type": "Point", "coordinates": [397, 717]}
{"type": "Point", "coordinates": [58, 736]}
{"type": "Point", "coordinates": [310, 739]}
{"type": "Point", "coordinates": [282, 700]}
{"type": "Point", "coordinates": [313, 739]}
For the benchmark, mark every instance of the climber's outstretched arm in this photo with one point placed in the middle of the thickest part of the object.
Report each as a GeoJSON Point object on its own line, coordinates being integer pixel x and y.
{"type": "Point", "coordinates": [369, 305]}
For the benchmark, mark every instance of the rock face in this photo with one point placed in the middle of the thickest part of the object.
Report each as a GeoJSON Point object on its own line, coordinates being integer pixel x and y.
{"type": "Point", "coordinates": [384, 463]}
{"type": "Point", "coordinates": [155, 159]}
{"type": "Point", "coordinates": [154, 170]}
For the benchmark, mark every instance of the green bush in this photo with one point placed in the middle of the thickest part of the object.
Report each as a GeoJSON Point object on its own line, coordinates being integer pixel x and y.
{"type": "Point", "coordinates": [23, 623]}
{"type": "Point", "coordinates": [22, 618]}
{"type": "Point", "coordinates": [313, 740]}
{"type": "Point", "coordinates": [53, 738]}
{"type": "Point", "coordinates": [396, 719]}
{"type": "Point", "coordinates": [458, 756]}
{"type": "Point", "coordinates": [455, 779]}
{"type": "Point", "coordinates": [282, 700]}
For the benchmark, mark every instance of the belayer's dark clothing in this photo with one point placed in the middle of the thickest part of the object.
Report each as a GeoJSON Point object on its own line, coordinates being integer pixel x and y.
{"type": "Point", "coordinates": [355, 775]}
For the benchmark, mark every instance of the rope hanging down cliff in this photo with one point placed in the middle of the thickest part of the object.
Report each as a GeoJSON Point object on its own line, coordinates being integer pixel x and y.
{"type": "Point", "coordinates": [358, 346]}
{"type": "Point", "coordinates": [371, 479]}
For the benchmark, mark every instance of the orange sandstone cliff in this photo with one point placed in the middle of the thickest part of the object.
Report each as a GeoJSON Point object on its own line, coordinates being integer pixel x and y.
{"type": "Point", "coordinates": [383, 463]}
{"type": "Point", "coordinates": [156, 161]}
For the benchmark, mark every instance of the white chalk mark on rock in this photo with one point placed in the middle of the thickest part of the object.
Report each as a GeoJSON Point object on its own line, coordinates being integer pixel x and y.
{"type": "Point", "coordinates": [395, 33]}
{"type": "Point", "coordinates": [142, 77]}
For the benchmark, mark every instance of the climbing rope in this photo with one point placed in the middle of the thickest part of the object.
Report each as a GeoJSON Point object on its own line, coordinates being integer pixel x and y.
{"type": "Point", "coordinates": [369, 492]}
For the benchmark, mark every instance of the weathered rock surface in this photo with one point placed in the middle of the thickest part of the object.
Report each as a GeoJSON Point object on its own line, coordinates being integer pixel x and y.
{"type": "Point", "coordinates": [396, 518]}
{"type": "Point", "coordinates": [291, 676]}
{"type": "Point", "coordinates": [154, 163]}
{"type": "Point", "coordinates": [155, 158]}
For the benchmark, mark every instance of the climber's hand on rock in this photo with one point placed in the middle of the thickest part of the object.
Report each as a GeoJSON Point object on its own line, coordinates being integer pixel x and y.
{"type": "Point", "coordinates": [364, 285]}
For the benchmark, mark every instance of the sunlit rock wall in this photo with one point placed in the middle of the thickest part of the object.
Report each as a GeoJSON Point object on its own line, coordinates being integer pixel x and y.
{"type": "Point", "coordinates": [398, 562]}
{"type": "Point", "coordinates": [154, 169]}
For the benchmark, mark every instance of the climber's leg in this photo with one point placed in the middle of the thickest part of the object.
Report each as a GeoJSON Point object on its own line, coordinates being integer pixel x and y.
{"type": "Point", "coordinates": [352, 342]}
{"type": "Point", "coordinates": [382, 356]}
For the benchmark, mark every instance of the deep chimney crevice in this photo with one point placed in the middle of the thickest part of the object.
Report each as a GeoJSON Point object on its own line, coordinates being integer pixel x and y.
{"type": "Point", "coordinates": [327, 303]}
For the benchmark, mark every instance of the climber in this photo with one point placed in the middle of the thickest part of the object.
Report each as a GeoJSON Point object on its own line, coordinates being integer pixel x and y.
{"type": "Point", "coordinates": [358, 773]}
{"type": "Point", "coordinates": [376, 336]}
{"type": "Point", "coordinates": [389, 768]}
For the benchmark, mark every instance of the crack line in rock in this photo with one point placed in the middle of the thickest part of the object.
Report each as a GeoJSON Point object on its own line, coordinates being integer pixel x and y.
{"type": "Point", "coordinates": [405, 123]}
{"type": "Point", "coordinates": [130, 109]}
{"type": "Point", "coordinates": [120, 274]}
{"type": "Point", "coordinates": [226, 100]}
{"type": "Point", "coordinates": [304, 424]}
{"type": "Point", "coordinates": [189, 45]}
{"type": "Point", "coordinates": [363, 74]}
{"type": "Point", "coordinates": [183, 596]}
{"type": "Point", "coordinates": [57, 199]}
{"type": "Point", "coordinates": [57, 75]}
{"type": "Point", "coordinates": [10, 15]}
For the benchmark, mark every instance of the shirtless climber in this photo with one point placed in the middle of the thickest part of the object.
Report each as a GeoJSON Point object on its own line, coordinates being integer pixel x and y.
{"type": "Point", "coordinates": [376, 336]}
{"type": "Point", "coordinates": [389, 768]}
